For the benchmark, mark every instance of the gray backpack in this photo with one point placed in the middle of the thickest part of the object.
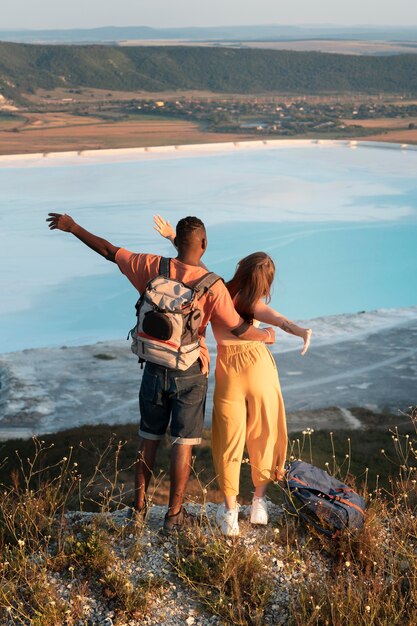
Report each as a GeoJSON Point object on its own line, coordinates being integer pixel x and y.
{"type": "Point", "coordinates": [168, 319]}
{"type": "Point", "coordinates": [322, 500]}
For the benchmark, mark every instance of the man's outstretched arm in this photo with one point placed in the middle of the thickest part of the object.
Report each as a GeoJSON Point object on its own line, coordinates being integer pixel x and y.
{"type": "Point", "coordinates": [59, 221]}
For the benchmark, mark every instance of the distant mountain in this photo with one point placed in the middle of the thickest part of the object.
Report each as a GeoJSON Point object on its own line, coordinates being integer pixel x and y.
{"type": "Point", "coordinates": [113, 34]}
{"type": "Point", "coordinates": [25, 68]}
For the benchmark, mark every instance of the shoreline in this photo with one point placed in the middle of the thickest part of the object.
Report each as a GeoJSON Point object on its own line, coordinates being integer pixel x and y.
{"type": "Point", "coordinates": [357, 363]}
{"type": "Point", "coordinates": [134, 154]}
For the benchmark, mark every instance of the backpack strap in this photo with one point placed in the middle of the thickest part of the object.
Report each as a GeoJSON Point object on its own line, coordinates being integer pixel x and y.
{"type": "Point", "coordinates": [164, 267]}
{"type": "Point", "coordinates": [206, 282]}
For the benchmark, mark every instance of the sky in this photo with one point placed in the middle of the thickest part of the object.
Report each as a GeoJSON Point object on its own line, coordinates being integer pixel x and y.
{"type": "Point", "coordinates": [40, 14]}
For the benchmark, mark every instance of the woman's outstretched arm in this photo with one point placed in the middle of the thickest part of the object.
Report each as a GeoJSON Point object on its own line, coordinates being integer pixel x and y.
{"type": "Point", "coordinates": [267, 315]}
{"type": "Point", "coordinates": [164, 228]}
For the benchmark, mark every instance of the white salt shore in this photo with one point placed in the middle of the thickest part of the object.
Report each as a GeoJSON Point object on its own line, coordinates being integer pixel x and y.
{"type": "Point", "coordinates": [120, 155]}
{"type": "Point", "coordinates": [360, 360]}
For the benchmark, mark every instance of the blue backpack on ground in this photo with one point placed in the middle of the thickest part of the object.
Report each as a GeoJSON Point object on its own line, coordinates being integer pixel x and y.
{"type": "Point", "coordinates": [322, 500]}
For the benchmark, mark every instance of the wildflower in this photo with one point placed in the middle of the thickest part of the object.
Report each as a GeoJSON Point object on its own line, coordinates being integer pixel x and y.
{"type": "Point", "coordinates": [347, 564]}
{"type": "Point", "coordinates": [368, 608]}
{"type": "Point", "coordinates": [64, 458]}
{"type": "Point", "coordinates": [75, 464]}
{"type": "Point", "coordinates": [21, 542]}
{"type": "Point", "coordinates": [150, 574]}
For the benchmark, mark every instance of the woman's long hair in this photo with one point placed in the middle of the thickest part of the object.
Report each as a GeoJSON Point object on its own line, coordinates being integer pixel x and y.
{"type": "Point", "coordinates": [252, 281]}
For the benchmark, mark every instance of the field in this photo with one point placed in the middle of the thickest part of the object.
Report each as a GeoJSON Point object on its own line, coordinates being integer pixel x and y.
{"type": "Point", "coordinates": [392, 130]}
{"type": "Point", "coordinates": [58, 132]}
{"type": "Point", "coordinates": [333, 46]}
{"type": "Point", "coordinates": [64, 119]}
{"type": "Point", "coordinates": [61, 131]}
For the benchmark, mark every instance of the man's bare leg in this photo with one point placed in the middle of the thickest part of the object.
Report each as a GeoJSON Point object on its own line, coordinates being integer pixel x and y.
{"type": "Point", "coordinates": [179, 474]}
{"type": "Point", "coordinates": [143, 470]}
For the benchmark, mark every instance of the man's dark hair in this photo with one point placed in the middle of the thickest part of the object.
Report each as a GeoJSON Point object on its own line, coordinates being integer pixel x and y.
{"type": "Point", "coordinates": [187, 228]}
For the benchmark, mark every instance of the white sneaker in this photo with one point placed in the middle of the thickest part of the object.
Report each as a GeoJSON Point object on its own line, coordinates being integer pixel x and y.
{"type": "Point", "coordinates": [259, 511]}
{"type": "Point", "coordinates": [220, 513]}
{"type": "Point", "coordinates": [226, 519]}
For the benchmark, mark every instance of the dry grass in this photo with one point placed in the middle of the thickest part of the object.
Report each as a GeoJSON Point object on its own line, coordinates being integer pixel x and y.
{"type": "Point", "coordinates": [392, 130]}
{"type": "Point", "coordinates": [37, 541]}
{"type": "Point", "coordinates": [333, 46]}
{"type": "Point", "coordinates": [388, 123]}
{"type": "Point", "coordinates": [373, 574]}
{"type": "Point", "coordinates": [60, 132]}
{"type": "Point", "coordinates": [228, 578]}
{"type": "Point", "coordinates": [370, 576]}
{"type": "Point", "coordinates": [393, 136]}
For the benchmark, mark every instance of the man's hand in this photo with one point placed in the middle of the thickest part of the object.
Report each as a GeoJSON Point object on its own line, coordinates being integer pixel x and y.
{"type": "Point", "coordinates": [59, 221]}
{"type": "Point", "coordinates": [163, 227]}
{"type": "Point", "coordinates": [270, 334]}
{"type": "Point", "coordinates": [252, 333]}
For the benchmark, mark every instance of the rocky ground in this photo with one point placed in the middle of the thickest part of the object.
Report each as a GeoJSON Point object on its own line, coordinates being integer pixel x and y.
{"type": "Point", "coordinates": [144, 553]}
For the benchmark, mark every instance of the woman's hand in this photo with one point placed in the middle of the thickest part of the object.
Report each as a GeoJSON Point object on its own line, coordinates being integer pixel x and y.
{"type": "Point", "coordinates": [164, 228]}
{"type": "Point", "coordinates": [307, 337]}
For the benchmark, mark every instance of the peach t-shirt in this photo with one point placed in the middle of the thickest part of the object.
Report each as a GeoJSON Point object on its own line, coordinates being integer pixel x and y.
{"type": "Point", "coordinates": [215, 306]}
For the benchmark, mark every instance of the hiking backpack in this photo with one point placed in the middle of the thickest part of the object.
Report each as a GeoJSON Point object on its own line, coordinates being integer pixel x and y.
{"type": "Point", "coordinates": [322, 500]}
{"type": "Point", "coordinates": [168, 319]}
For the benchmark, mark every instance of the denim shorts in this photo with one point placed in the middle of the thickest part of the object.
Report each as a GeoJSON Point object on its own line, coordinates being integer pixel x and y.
{"type": "Point", "coordinates": [169, 394]}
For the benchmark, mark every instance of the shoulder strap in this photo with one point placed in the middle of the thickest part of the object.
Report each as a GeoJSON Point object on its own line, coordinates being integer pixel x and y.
{"type": "Point", "coordinates": [164, 267]}
{"type": "Point", "coordinates": [205, 283]}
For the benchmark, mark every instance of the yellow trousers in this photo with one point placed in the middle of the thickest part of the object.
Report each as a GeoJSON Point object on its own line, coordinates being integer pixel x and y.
{"type": "Point", "coordinates": [248, 408]}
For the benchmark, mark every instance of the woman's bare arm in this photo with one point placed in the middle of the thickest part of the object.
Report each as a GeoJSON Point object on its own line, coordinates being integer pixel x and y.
{"type": "Point", "coordinates": [267, 315]}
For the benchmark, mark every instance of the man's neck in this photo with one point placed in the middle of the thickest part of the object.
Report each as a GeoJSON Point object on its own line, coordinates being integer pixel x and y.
{"type": "Point", "coordinates": [189, 259]}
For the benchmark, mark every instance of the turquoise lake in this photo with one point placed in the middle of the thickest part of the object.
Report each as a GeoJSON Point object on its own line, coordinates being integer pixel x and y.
{"type": "Point", "coordinates": [340, 223]}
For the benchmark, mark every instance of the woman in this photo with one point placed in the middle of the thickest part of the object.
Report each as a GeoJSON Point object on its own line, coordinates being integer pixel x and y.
{"type": "Point", "coordinates": [248, 407]}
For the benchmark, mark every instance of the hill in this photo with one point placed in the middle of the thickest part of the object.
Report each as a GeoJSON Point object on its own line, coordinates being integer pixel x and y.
{"type": "Point", "coordinates": [25, 68]}
{"type": "Point", "coordinates": [64, 564]}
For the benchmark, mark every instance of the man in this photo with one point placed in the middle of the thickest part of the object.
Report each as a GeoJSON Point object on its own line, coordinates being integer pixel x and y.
{"type": "Point", "coordinates": [171, 394]}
